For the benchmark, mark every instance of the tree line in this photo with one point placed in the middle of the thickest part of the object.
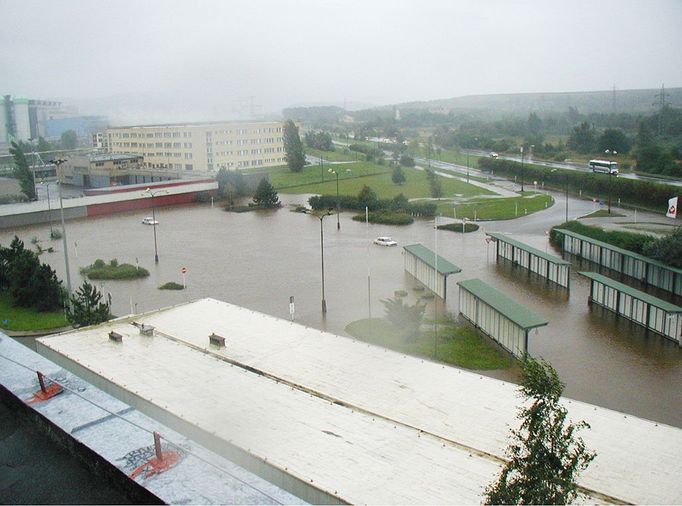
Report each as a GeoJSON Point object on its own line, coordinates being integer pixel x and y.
{"type": "Point", "coordinates": [632, 191]}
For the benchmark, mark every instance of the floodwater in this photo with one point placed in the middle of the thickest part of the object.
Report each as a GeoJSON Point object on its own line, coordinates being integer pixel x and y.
{"type": "Point", "coordinates": [259, 259]}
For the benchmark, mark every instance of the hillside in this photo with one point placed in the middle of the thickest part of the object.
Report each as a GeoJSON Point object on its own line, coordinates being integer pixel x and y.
{"type": "Point", "coordinates": [637, 101]}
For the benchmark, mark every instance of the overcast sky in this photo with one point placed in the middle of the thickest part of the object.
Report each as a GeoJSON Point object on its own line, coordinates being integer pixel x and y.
{"type": "Point", "coordinates": [202, 57]}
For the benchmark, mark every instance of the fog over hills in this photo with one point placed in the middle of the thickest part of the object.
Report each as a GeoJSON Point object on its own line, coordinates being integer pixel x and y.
{"type": "Point", "coordinates": [607, 101]}
{"type": "Point", "coordinates": [129, 109]}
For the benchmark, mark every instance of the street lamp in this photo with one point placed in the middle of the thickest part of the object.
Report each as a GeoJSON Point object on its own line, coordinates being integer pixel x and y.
{"type": "Point", "coordinates": [566, 183]}
{"type": "Point", "coordinates": [153, 194]}
{"type": "Point", "coordinates": [58, 162]}
{"type": "Point", "coordinates": [338, 202]}
{"type": "Point", "coordinates": [49, 208]}
{"type": "Point", "coordinates": [467, 165]}
{"type": "Point", "coordinates": [321, 217]}
{"type": "Point", "coordinates": [614, 152]}
{"type": "Point", "coordinates": [521, 169]}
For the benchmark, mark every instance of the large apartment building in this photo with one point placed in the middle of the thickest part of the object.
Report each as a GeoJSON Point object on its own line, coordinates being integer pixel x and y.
{"type": "Point", "coordinates": [202, 146]}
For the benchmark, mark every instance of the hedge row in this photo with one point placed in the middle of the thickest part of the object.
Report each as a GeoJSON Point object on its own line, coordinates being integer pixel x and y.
{"type": "Point", "coordinates": [653, 196]}
{"type": "Point", "coordinates": [626, 240]}
{"type": "Point", "coordinates": [386, 218]}
{"type": "Point", "coordinates": [419, 208]}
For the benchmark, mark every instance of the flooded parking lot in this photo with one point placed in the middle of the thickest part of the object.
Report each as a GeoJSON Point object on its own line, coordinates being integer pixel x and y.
{"type": "Point", "coordinates": [259, 259]}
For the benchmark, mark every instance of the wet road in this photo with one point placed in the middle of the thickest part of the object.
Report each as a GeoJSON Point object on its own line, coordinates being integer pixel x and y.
{"type": "Point", "coordinates": [578, 167]}
{"type": "Point", "coordinates": [259, 259]}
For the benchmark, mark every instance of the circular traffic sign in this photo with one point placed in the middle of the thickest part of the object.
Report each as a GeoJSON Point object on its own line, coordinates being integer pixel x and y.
{"type": "Point", "coordinates": [183, 270]}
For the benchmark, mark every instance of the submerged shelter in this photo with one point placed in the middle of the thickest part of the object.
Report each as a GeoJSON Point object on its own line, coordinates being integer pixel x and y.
{"type": "Point", "coordinates": [497, 315]}
{"type": "Point", "coordinates": [429, 268]}
{"type": "Point", "coordinates": [548, 266]}
{"type": "Point", "coordinates": [648, 311]}
{"type": "Point", "coordinates": [629, 263]}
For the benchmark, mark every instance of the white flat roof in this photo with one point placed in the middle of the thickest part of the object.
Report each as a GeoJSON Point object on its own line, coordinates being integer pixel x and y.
{"type": "Point", "coordinates": [352, 422]}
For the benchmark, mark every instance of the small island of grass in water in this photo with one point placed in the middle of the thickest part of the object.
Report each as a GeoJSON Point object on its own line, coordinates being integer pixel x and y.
{"type": "Point", "coordinates": [101, 270]}
{"type": "Point", "coordinates": [402, 330]}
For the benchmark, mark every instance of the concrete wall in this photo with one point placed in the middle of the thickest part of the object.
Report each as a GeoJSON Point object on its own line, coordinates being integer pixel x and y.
{"type": "Point", "coordinates": [54, 216]}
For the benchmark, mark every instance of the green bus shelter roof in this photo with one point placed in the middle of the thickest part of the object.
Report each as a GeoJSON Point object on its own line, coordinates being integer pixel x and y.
{"type": "Point", "coordinates": [428, 257]}
{"type": "Point", "coordinates": [633, 292]}
{"type": "Point", "coordinates": [520, 315]}
{"type": "Point", "coordinates": [618, 250]}
{"type": "Point", "coordinates": [538, 253]}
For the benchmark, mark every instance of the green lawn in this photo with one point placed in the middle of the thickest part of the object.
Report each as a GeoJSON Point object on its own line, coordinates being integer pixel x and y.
{"type": "Point", "coordinates": [457, 345]}
{"type": "Point", "coordinates": [375, 176]}
{"type": "Point", "coordinates": [300, 182]}
{"type": "Point", "coordinates": [340, 155]}
{"type": "Point", "coordinates": [20, 318]}
{"type": "Point", "coordinates": [506, 208]}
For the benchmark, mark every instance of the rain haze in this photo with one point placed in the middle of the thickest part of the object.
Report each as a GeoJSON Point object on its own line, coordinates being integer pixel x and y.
{"type": "Point", "coordinates": [164, 61]}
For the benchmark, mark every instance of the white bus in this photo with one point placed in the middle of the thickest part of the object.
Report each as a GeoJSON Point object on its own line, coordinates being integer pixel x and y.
{"type": "Point", "coordinates": [604, 166]}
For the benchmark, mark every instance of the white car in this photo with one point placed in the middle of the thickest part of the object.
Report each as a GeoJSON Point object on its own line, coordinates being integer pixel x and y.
{"type": "Point", "coordinates": [493, 155]}
{"type": "Point", "coordinates": [150, 221]}
{"type": "Point", "coordinates": [385, 241]}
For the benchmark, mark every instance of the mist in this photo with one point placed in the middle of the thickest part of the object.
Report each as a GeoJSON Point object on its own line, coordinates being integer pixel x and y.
{"type": "Point", "coordinates": [165, 61]}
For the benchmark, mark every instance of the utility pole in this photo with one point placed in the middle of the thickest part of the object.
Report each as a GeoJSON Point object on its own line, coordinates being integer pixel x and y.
{"type": "Point", "coordinates": [58, 163]}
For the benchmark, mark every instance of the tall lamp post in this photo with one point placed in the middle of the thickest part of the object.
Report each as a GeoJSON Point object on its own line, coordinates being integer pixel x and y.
{"type": "Point", "coordinates": [321, 217]}
{"type": "Point", "coordinates": [614, 152]}
{"type": "Point", "coordinates": [521, 169]}
{"type": "Point", "coordinates": [566, 189]}
{"type": "Point", "coordinates": [49, 208]}
{"type": "Point", "coordinates": [467, 165]}
{"type": "Point", "coordinates": [153, 194]}
{"type": "Point", "coordinates": [338, 202]}
{"type": "Point", "coordinates": [58, 162]}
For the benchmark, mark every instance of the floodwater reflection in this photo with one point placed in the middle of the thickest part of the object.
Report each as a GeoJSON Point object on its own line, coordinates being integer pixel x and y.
{"type": "Point", "coordinates": [259, 259]}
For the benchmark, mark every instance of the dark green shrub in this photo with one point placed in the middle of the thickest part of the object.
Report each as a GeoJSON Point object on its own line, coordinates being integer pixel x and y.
{"type": "Point", "coordinates": [626, 240]}
{"type": "Point", "coordinates": [171, 285]}
{"type": "Point", "coordinates": [386, 218]}
{"type": "Point", "coordinates": [457, 227]}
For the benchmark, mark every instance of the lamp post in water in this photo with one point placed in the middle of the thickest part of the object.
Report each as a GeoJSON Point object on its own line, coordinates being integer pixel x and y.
{"type": "Point", "coordinates": [321, 217]}
{"type": "Point", "coordinates": [149, 192]}
{"type": "Point", "coordinates": [58, 162]}
{"type": "Point", "coordinates": [521, 169]}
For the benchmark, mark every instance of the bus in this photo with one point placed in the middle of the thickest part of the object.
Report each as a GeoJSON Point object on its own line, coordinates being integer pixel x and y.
{"type": "Point", "coordinates": [604, 166]}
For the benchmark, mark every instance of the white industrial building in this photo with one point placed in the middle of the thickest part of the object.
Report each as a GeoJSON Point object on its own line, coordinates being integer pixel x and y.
{"type": "Point", "coordinates": [333, 419]}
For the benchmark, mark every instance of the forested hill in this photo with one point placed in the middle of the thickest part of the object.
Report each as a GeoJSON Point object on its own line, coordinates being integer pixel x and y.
{"type": "Point", "coordinates": [586, 102]}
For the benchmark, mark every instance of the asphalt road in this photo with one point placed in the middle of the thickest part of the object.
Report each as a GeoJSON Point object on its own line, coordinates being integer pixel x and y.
{"type": "Point", "coordinates": [577, 167]}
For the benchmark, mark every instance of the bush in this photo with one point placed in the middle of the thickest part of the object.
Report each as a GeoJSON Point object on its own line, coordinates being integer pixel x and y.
{"type": "Point", "coordinates": [626, 240]}
{"type": "Point", "coordinates": [386, 218]}
{"type": "Point", "coordinates": [418, 208]}
{"type": "Point", "coordinates": [99, 270]}
{"type": "Point", "coordinates": [171, 285]}
{"type": "Point", "coordinates": [457, 227]}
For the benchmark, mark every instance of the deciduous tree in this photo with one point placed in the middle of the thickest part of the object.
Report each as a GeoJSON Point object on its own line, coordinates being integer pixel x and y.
{"type": "Point", "coordinates": [69, 139]}
{"type": "Point", "coordinates": [293, 147]}
{"type": "Point", "coordinates": [582, 138]}
{"type": "Point", "coordinates": [398, 175]}
{"type": "Point", "coordinates": [22, 171]}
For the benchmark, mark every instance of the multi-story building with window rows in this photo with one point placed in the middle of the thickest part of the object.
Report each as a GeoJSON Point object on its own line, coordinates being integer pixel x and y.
{"type": "Point", "coordinates": [202, 146]}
